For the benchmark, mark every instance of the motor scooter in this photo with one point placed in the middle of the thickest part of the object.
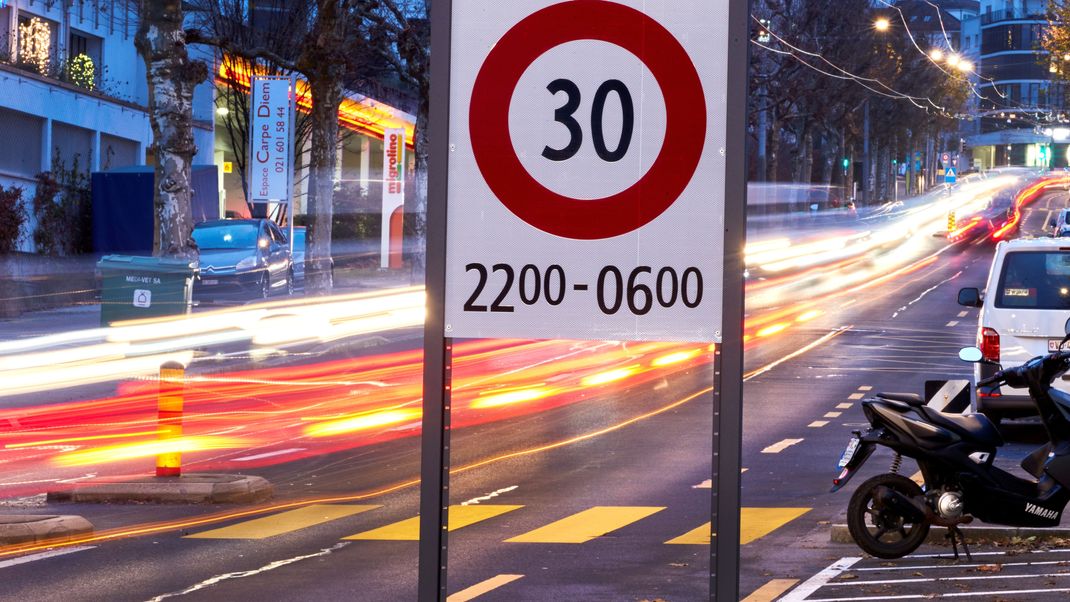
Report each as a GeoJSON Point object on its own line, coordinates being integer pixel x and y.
{"type": "Point", "coordinates": [889, 515]}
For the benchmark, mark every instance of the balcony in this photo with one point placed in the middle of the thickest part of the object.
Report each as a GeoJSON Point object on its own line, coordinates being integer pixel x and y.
{"type": "Point", "coordinates": [1013, 14]}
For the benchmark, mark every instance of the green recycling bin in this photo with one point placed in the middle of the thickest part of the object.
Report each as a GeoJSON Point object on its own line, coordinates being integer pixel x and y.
{"type": "Point", "coordinates": [144, 287]}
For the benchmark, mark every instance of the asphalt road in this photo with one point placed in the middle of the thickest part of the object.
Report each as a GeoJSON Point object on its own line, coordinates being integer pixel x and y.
{"type": "Point", "coordinates": [603, 499]}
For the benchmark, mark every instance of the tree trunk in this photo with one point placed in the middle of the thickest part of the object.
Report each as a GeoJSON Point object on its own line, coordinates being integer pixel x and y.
{"type": "Point", "coordinates": [326, 98]}
{"type": "Point", "coordinates": [774, 152]}
{"type": "Point", "coordinates": [419, 255]}
{"type": "Point", "coordinates": [171, 78]}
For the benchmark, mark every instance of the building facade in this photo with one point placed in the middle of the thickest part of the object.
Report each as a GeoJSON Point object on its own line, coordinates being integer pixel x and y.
{"type": "Point", "coordinates": [73, 90]}
{"type": "Point", "coordinates": [1019, 97]}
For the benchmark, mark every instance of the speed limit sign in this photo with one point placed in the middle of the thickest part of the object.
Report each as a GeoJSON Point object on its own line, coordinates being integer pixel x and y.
{"type": "Point", "coordinates": [586, 170]}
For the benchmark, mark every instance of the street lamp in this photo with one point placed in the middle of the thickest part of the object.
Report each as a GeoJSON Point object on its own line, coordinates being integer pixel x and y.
{"type": "Point", "coordinates": [882, 24]}
{"type": "Point", "coordinates": [936, 54]}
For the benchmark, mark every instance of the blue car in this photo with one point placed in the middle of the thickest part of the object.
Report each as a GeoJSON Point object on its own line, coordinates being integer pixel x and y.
{"type": "Point", "coordinates": [242, 258]}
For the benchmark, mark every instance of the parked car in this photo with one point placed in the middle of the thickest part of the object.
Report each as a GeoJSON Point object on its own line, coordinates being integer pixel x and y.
{"type": "Point", "coordinates": [1024, 313]}
{"type": "Point", "coordinates": [246, 258]}
{"type": "Point", "coordinates": [299, 255]}
{"type": "Point", "coordinates": [1060, 225]}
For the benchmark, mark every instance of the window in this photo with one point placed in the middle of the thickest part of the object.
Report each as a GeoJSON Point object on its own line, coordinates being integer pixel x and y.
{"type": "Point", "coordinates": [1036, 280]}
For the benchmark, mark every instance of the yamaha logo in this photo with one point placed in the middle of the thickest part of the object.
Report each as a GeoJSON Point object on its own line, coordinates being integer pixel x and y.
{"type": "Point", "coordinates": [1042, 512]}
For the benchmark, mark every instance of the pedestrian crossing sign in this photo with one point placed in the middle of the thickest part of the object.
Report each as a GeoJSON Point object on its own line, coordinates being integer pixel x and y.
{"type": "Point", "coordinates": [949, 175]}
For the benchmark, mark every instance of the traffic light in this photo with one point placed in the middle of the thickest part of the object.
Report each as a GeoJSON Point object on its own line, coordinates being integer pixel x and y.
{"type": "Point", "coordinates": [846, 164]}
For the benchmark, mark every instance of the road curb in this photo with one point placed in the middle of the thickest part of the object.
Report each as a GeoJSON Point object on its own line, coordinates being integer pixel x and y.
{"type": "Point", "coordinates": [840, 534]}
{"type": "Point", "coordinates": [185, 489]}
{"type": "Point", "coordinates": [35, 528]}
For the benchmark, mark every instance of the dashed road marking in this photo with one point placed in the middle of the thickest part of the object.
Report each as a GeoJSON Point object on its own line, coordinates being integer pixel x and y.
{"type": "Point", "coordinates": [817, 424]}
{"type": "Point", "coordinates": [770, 591]}
{"type": "Point", "coordinates": [284, 522]}
{"type": "Point", "coordinates": [587, 525]}
{"type": "Point", "coordinates": [844, 406]}
{"type": "Point", "coordinates": [269, 454]}
{"type": "Point", "coordinates": [780, 446]}
{"type": "Point", "coordinates": [43, 555]}
{"type": "Point", "coordinates": [754, 523]}
{"type": "Point", "coordinates": [832, 414]}
{"type": "Point", "coordinates": [473, 592]}
{"type": "Point", "coordinates": [409, 529]}
{"type": "Point", "coordinates": [865, 388]}
{"type": "Point", "coordinates": [816, 582]}
{"type": "Point", "coordinates": [856, 396]}
{"type": "Point", "coordinates": [963, 314]}
{"type": "Point", "coordinates": [953, 323]}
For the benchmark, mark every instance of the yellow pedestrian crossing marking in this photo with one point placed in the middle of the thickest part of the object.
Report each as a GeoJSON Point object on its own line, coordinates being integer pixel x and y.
{"type": "Point", "coordinates": [284, 522]}
{"type": "Point", "coordinates": [587, 525]}
{"type": "Point", "coordinates": [479, 589]}
{"type": "Point", "coordinates": [771, 591]}
{"type": "Point", "coordinates": [753, 523]}
{"type": "Point", "coordinates": [460, 517]}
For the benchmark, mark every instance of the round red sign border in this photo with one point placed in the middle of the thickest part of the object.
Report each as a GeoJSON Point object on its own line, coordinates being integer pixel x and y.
{"type": "Point", "coordinates": [685, 120]}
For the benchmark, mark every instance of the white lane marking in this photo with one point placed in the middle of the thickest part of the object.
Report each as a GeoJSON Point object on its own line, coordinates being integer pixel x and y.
{"type": "Point", "coordinates": [43, 555]}
{"type": "Point", "coordinates": [925, 292]}
{"type": "Point", "coordinates": [914, 567]}
{"type": "Point", "coordinates": [832, 414]}
{"type": "Point", "coordinates": [1059, 551]}
{"type": "Point", "coordinates": [856, 396]}
{"type": "Point", "coordinates": [816, 582]}
{"type": "Point", "coordinates": [844, 406]}
{"type": "Point", "coordinates": [240, 574]}
{"type": "Point", "coordinates": [479, 589]}
{"type": "Point", "coordinates": [797, 353]}
{"type": "Point", "coordinates": [269, 454]}
{"type": "Point", "coordinates": [818, 424]}
{"type": "Point", "coordinates": [963, 314]}
{"type": "Point", "coordinates": [865, 388]}
{"type": "Point", "coordinates": [489, 496]}
{"type": "Point", "coordinates": [776, 448]}
{"type": "Point", "coordinates": [952, 323]}
{"type": "Point", "coordinates": [948, 579]}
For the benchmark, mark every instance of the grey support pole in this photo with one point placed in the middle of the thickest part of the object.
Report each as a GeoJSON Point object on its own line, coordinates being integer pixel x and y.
{"type": "Point", "coordinates": [728, 359]}
{"type": "Point", "coordinates": [435, 441]}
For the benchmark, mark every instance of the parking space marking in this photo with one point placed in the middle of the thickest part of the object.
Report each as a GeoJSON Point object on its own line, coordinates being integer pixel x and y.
{"type": "Point", "coordinates": [473, 592]}
{"type": "Point", "coordinates": [817, 424]}
{"type": "Point", "coordinates": [770, 591]}
{"type": "Point", "coordinates": [844, 406]}
{"type": "Point", "coordinates": [953, 323]}
{"type": "Point", "coordinates": [856, 396]}
{"type": "Point", "coordinates": [816, 582]}
{"type": "Point", "coordinates": [780, 446]}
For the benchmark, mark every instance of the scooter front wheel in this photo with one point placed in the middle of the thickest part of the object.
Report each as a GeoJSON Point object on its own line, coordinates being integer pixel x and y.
{"type": "Point", "coordinates": [884, 529]}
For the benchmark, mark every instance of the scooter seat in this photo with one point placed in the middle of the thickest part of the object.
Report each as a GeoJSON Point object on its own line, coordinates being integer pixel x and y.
{"type": "Point", "coordinates": [976, 427]}
{"type": "Point", "coordinates": [912, 399]}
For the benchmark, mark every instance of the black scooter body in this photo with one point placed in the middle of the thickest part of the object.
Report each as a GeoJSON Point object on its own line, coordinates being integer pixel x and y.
{"type": "Point", "coordinates": [958, 451]}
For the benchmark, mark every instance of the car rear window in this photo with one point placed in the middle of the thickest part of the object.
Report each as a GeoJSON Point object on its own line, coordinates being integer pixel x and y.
{"type": "Point", "coordinates": [226, 236]}
{"type": "Point", "coordinates": [1035, 279]}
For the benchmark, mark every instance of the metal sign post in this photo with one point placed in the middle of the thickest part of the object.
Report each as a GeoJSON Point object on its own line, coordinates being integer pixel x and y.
{"type": "Point", "coordinates": [587, 182]}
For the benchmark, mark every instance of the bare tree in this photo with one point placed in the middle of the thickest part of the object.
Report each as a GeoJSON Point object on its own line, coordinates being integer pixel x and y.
{"type": "Point", "coordinates": [171, 76]}
{"type": "Point", "coordinates": [333, 33]}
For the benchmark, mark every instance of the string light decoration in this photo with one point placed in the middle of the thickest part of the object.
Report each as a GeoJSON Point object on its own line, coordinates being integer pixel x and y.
{"type": "Point", "coordinates": [82, 71]}
{"type": "Point", "coordinates": [35, 44]}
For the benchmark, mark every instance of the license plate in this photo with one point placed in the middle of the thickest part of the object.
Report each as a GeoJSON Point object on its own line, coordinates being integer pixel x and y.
{"type": "Point", "coordinates": [1053, 345]}
{"type": "Point", "coordinates": [852, 447]}
{"type": "Point", "coordinates": [209, 281]}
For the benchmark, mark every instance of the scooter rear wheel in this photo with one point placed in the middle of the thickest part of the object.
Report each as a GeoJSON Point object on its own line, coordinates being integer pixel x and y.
{"type": "Point", "coordinates": [878, 529]}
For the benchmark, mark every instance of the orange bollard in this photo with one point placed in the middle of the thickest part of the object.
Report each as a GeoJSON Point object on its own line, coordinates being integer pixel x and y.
{"type": "Point", "coordinates": [169, 404]}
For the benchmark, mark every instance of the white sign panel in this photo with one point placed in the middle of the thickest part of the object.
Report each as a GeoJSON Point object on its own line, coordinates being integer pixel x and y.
{"type": "Point", "coordinates": [270, 140]}
{"type": "Point", "coordinates": [586, 171]}
{"type": "Point", "coordinates": [393, 184]}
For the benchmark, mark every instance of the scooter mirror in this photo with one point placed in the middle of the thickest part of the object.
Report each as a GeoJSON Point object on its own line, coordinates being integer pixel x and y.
{"type": "Point", "coordinates": [970, 354]}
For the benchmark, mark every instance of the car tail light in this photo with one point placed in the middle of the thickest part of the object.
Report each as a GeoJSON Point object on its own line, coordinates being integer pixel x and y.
{"type": "Point", "coordinates": [990, 344]}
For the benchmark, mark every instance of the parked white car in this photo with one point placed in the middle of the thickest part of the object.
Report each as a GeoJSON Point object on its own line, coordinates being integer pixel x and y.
{"type": "Point", "coordinates": [1025, 311]}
